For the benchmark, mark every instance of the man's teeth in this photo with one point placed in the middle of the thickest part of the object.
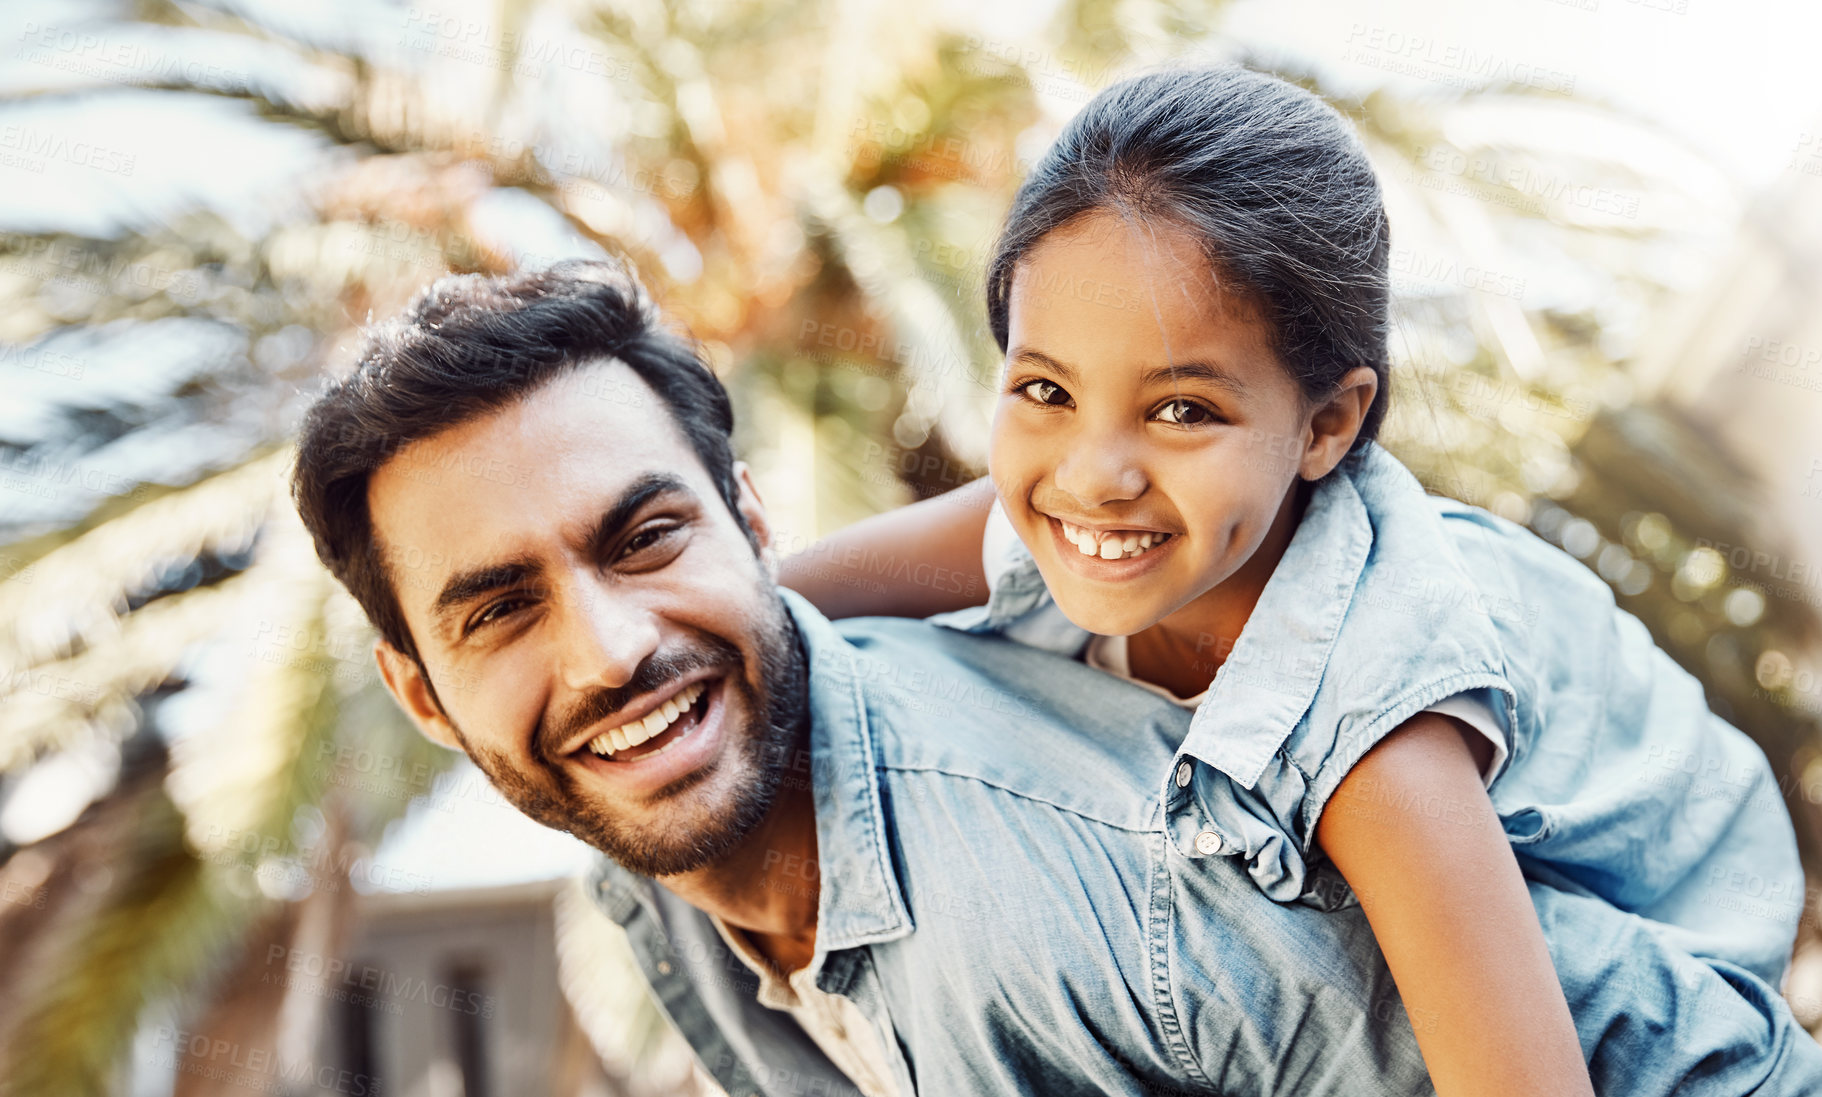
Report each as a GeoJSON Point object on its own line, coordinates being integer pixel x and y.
{"type": "Point", "coordinates": [1115, 545]}
{"type": "Point", "coordinates": [633, 732]}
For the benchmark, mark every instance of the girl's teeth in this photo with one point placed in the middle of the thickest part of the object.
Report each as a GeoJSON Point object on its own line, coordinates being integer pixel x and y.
{"type": "Point", "coordinates": [1111, 546]}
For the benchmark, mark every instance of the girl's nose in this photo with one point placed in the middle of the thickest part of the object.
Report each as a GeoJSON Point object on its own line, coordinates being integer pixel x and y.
{"type": "Point", "coordinates": [1099, 469]}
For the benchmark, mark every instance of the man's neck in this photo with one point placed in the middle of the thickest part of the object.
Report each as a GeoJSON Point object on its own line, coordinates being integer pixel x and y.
{"type": "Point", "coordinates": [768, 888]}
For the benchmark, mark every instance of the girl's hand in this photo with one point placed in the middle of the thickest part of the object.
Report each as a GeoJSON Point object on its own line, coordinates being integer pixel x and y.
{"type": "Point", "coordinates": [1443, 893]}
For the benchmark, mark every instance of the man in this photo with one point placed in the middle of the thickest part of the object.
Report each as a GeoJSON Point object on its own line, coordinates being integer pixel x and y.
{"type": "Point", "coordinates": [889, 857]}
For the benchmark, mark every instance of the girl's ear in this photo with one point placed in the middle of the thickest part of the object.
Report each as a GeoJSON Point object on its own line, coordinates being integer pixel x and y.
{"type": "Point", "coordinates": [1335, 423]}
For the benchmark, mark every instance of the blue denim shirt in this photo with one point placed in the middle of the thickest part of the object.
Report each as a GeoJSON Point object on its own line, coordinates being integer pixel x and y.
{"type": "Point", "coordinates": [1000, 898]}
{"type": "Point", "coordinates": [1619, 782]}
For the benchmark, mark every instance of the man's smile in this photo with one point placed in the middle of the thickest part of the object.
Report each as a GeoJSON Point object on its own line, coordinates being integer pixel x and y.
{"type": "Point", "coordinates": [675, 737]}
{"type": "Point", "coordinates": [679, 711]}
{"type": "Point", "coordinates": [649, 720]}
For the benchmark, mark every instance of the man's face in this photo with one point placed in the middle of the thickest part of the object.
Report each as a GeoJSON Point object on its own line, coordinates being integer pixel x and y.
{"type": "Point", "coordinates": [599, 631]}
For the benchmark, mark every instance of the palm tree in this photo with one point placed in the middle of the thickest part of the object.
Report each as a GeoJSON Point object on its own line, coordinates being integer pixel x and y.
{"type": "Point", "coordinates": [811, 190]}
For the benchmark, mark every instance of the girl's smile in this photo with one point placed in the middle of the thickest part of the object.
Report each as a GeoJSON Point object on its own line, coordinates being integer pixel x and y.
{"type": "Point", "coordinates": [1117, 556]}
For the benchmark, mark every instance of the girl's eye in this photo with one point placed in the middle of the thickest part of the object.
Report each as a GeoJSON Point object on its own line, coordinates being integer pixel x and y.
{"type": "Point", "coordinates": [1185, 413]}
{"type": "Point", "coordinates": [1045, 392]}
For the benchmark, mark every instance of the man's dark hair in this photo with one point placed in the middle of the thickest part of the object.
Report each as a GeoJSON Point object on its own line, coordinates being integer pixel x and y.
{"type": "Point", "coordinates": [465, 347]}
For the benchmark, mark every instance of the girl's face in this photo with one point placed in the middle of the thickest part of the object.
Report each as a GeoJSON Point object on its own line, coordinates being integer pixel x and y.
{"type": "Point", "coordinates": [1146, 440]}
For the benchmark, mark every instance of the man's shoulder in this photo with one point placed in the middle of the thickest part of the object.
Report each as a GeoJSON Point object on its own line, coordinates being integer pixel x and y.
{"type": "Point", "coordinates": [1024, 722]}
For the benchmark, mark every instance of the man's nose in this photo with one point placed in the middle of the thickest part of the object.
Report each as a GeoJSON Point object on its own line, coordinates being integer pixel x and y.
{"type": "Point", "coordinates": [606, 636]}
{"type": "Point", "coordinates": [1100, 467]}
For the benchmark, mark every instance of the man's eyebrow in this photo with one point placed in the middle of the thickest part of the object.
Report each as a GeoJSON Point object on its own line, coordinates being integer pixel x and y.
{"type": "Point", "coordinates": [465, 586]}
{"type": "Point", "coordinates": [1064, 372]}
{"type": "Point", "coordinates": [1194, 371]}
{"type": "Point", "coordinates": [617, 517]}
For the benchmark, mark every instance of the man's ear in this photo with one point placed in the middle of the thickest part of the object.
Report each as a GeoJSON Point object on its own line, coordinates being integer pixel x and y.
{"type": "Point", "coordinates": [748, 503]}
{"type": "Point", "coordinates": [1336, 423]}
{"type": "Point", "coordinates": [406, 682]}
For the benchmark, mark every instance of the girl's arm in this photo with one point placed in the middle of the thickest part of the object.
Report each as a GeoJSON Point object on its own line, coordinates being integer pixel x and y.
{"type": "Point", "coordinates": [1445, 898]}
{"type": "Point", "coordinates": [911, 562]}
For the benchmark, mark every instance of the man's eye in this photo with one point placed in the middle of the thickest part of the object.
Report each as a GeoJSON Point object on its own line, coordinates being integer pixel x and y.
{"type": "Point", "coordinates": [1185, 413]}
{"type": "Point", "coordinates": [498, 611]}
{"type": "Point", "coordinates": [647, 538]}
{"type": "Point", "coordinates": [1045, 392]}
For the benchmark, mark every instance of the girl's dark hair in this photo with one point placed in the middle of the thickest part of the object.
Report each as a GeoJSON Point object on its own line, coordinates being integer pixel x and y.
{"type": "Point", "coordinates": [1270, 178]}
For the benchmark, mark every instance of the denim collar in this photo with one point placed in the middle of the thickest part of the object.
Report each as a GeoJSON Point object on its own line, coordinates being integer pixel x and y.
{"type": "Point", "coordinates": [860, 902]}
{"type": "Point", "coordinates": [1278, 661]}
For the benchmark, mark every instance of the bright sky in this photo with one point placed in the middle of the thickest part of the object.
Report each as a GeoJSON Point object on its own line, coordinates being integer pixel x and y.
{"type": "Point", "coordinates": [1738, 79]}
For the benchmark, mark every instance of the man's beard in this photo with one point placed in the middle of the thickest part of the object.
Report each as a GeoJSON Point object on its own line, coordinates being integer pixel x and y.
{"type": "Point", "coordinates": [672, 841]}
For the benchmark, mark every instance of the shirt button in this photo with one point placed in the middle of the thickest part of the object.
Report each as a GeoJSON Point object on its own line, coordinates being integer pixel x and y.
{"type": "Point", "coordinates": [1208, 842]}
{"type": "Point", "coordinates": [664, 967]}
{"type": "Point", "coordinates": [1183, 772]}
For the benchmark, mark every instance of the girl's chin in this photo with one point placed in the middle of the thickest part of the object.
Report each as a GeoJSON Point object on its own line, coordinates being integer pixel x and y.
{"type": "Point", "coordinates": [1100, 613]}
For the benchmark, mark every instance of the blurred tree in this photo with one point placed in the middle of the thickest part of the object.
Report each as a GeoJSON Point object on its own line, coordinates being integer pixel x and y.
{"type": "Point", "coordinates": [812, 190]}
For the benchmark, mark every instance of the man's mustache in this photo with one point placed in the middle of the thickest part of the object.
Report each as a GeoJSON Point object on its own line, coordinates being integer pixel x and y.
{"type": "Point", "coordinates": [656, 672]}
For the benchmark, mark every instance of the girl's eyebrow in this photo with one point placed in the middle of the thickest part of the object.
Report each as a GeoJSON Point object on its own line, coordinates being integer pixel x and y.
{"type": "Point", "coordinates": [1039, 358]}
{"type": "Point", "coordinates": [1195, 371]}
{"type": "Point", "coordinates": [1180, 371]}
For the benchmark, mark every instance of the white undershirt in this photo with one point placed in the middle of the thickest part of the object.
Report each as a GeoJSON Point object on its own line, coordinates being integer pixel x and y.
{"type": "Point", "coordinates": [833, 1021]}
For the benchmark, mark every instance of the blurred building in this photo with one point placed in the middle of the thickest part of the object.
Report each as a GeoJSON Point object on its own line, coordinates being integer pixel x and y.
{"type": "Point", "coordinates": [455, 994]}
{"type": "Point", "coordinates": [1743, 357]}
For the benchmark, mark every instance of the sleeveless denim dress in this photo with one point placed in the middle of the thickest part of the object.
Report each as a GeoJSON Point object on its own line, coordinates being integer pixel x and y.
{"type": "Point", "coordinates": [1618, 782]}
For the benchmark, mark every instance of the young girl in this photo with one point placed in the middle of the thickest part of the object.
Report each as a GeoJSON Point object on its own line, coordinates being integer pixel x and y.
{"type": "Point", "coordinates": [1399, 699]}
